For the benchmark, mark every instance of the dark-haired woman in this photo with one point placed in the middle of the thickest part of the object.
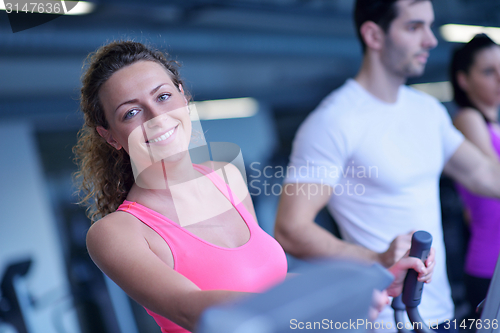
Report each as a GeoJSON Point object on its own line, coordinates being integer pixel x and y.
{"type": "Point", "coordinates": [177, 237]}
{"type": "Point", "coordinates": [475, 75]}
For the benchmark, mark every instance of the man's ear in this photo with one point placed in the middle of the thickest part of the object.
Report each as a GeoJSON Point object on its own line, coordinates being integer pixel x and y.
{"type": "Point", "coordinates": [462, 80]}
{"type": "Point", "coordinates": [108, 137]}
{"type": "Point", "coordinates": [372, 35]}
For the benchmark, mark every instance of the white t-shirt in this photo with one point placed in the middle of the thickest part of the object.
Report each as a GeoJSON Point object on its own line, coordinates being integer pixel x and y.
{"type": "Point", "coordinates": [384, 162]}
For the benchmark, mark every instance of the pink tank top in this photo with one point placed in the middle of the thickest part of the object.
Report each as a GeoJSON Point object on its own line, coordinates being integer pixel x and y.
{"type": "Point", "coordinates": [484, 243]}
{"type": "Point", "coordinates": [253, 267]}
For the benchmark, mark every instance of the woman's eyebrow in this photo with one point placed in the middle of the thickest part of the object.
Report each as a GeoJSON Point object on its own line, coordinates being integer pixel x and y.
{"type": "Point", "coordinates": [127, 102]}
{"type": "Point", "coordinates": [135, 100]}
{"type": "Point", "coordinates": [156, 89]}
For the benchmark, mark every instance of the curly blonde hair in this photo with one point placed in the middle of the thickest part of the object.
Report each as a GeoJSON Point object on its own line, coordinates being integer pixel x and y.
{"type": "Point", "coordinates": [105, 174]}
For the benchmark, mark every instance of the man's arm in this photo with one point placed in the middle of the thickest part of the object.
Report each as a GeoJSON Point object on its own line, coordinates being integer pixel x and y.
{"type": "Point", "coordinates": [476, 171]}
{"type": "Point", "coordinates": [300, 236]}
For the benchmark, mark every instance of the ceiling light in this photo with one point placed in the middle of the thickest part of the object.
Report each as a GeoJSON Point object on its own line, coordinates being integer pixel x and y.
{"type": "Point", "coordinates": [441, 90]}
{"type": "Point", "coordinates": [81, 8]}
{"type": "Point", "coordinates": [227, 108]}
{"type": "Point", "coordinates": [460, 33]}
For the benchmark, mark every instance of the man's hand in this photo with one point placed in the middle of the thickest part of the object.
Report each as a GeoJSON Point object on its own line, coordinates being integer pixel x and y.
{"type": "Point", "coordinates": [399, 246]}
{"type": "Point", "coordinates": [400, 268]}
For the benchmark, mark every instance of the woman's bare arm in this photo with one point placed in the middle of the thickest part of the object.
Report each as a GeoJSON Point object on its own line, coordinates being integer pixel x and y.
{"type": "Point", "coordinates": [117, 245]}
{"type": "Point", "coordinates": [473, 127]}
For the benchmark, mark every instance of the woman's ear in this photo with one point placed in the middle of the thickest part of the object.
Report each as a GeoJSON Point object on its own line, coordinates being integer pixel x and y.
{"type": "Point", "coordinates": [372, 35]}
{"type": "Point", "coordinates": [108, 137]}
{"type": "Point", "coordinates": [462, 80]}
{"type": "Point", "coordinates": [182, 92]}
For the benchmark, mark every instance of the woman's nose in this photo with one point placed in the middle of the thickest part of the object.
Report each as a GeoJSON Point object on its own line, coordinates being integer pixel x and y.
{"type": "Point", "coordinates": [156, 118]}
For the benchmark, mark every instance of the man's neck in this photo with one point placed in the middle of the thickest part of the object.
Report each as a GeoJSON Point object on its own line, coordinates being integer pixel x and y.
{"type": "Point", "coordinates": [378, 82]}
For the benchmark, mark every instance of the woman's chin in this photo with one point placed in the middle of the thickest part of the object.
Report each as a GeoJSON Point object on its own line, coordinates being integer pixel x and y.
{"type": "Point", "coordinates": [173, 158]}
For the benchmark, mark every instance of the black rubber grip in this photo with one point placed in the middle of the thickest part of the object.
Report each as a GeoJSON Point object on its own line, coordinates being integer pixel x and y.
{"type": "Point", "coordinates": [420, 248]}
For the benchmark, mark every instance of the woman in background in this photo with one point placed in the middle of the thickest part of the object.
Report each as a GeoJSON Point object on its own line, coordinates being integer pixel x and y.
{"type": "Point", "coordinates": [177, 237]}
{"type": "Point", "coordinates": [475, 76]}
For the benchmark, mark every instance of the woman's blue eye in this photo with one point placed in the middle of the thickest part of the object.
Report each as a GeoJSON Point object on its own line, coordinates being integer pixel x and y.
{"type": "Point", "coordinates": [163, 97]}
{"type": "Point", "coordinates": [130, 114]}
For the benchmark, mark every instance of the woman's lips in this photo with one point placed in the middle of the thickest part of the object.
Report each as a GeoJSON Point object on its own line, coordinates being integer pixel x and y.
{"type": "Point", "coordinates": [163, 137]}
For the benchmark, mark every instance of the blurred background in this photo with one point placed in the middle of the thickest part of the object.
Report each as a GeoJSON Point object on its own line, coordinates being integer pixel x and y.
{"type": "Point", "coordinates": [273, 59]}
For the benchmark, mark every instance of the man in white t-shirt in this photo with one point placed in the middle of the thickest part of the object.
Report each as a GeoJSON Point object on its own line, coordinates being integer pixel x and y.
{"type": "Point", "coordinates": [373, 152]}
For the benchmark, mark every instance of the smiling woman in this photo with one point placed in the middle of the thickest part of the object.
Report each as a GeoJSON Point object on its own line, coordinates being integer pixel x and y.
{"type": "Point", "coordinates": [177, 237]}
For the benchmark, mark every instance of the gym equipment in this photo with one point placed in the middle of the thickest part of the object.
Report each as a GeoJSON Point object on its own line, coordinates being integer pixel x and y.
{"type": "Point", "coordinates": [15, 300]}
{"type": "Point", "coordinates": [409, 300]}
{"type": "Point", "coordinates": [490, 314]}
{"type": "Point", "coordinates": [326, 295]}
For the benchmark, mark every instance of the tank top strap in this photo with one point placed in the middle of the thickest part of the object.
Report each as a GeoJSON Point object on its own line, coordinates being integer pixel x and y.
{"type": "Point", "coordinates": [485, 118]}
{"type": "Point", "coordinates": [495, 138]}
{"type": "Point", "coordinates": [220, 183]}
{"type": "Point", "coordinates": [144, 213]}
{"type": "Point", "coordinates": [224, 188]}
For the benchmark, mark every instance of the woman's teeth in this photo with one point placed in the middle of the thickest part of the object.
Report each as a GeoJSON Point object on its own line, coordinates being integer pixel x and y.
{"type": "Point", "coordinates": [163, 137]}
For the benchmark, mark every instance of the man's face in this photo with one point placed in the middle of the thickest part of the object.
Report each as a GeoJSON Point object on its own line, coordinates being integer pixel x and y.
{"type": "Point", "coordinates": [409, 39]}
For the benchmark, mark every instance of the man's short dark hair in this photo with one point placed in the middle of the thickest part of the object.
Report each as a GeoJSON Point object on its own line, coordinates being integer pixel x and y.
{"type": "Point", "coordinates": [381, 12]}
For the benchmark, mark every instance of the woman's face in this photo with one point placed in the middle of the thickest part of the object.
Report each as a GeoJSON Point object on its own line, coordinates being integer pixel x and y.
{"type": "Point", "coordinates": [482, 82]}
{"type": "Point", "coordinates": [147, 114]}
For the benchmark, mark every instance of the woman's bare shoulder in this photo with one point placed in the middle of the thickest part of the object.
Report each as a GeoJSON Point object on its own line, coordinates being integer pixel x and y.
{"type": "Point", "coordinates": [469, 120]}
{"type": "Point", "coordinates": [474, 127]}
{"type": "Point", "coordinates": [468, 115]}
{"type": "Point", "coordinates": [113, 231]}
{"type": "Point", "coordinates": [114, 222]}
